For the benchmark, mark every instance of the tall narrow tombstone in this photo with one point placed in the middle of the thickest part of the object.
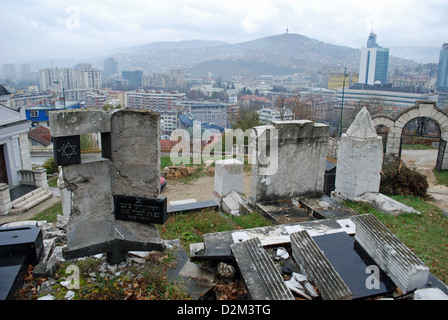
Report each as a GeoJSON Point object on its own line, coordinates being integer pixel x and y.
{"type": "Point", "coordinates": [360, 158]}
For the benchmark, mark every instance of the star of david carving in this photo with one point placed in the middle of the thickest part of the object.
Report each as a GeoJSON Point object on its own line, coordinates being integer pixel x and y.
{"type": "Point", "coordinates": [68, 150]}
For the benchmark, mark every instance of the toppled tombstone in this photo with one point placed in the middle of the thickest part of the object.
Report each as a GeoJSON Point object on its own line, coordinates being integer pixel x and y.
{"type": "Point", "coordinates": [385, 204]}
{"type": "Point", "coordinates": [19, 248]}
{"type": "Point", "coordinates": [232, 202]}
{"type": "Point", "coordinates": [404, 268]}
{"type": "Point", "coordinates": [261, 276]}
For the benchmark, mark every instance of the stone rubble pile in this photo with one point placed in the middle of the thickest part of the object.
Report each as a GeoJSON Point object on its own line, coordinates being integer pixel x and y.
{"type": "Point", "coordinates": [177, 172]}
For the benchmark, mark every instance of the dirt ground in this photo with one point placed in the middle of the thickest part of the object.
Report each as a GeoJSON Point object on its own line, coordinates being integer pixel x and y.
{"type": "Point", "coordinates": [200, 189]}
{"type": "Point", "coordinates": [424, 161]}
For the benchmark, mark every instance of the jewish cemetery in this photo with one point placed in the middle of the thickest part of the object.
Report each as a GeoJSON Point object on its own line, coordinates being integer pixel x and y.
{"type": "Point", "coordinates": [299, 216]}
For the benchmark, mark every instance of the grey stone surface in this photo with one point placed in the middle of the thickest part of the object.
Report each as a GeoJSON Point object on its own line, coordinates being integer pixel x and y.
{"type": "Point", "coordinates": [362, 127]}
{"type": "Point", "coordinates": [135, 153]}
{"type": "Point", "coordinates": [317, 267]}
{"type": "Point", "coordinates": [261, 276]}
{"type": "Point", "coordinates": [228, 177]}
{"type": "Point", "coordinates": [92, 215]}
{"type": "Point", "coordinates": [76, 122]}
{"type": "Point", "coordinates": [403, 267]}
{"type": "Point", "coordinates": [295, 164]}
{"type": "Point", "coordinates": [384, 204]}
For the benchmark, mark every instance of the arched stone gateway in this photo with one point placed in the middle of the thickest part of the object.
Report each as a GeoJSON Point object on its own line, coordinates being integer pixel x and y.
{"type": "Point", "coordinates": [424, 113]}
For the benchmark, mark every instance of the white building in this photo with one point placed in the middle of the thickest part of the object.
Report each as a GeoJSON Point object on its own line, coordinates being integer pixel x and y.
{"type": "Point", "coordinates": [153, 100]}
{"type": "Point", "coordinates": [268, 115]}
{"type": "Point", "coordinates": [72, 78]}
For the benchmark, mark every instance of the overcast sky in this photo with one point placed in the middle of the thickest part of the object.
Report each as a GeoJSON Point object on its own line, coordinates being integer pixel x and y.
{"type": "Point", "coordinates": [57, 28]}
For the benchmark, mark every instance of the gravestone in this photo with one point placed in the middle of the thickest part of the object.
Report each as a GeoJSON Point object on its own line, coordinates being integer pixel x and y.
{"type": "Point", "coordinates": [115, 199]}
{"type": "Point", "coordinates": [19, 247]}
{"type": "Point", "coordinates": [360, 158]}
{"type": "Point", "coordinates": [228, 178]}
{"type": "Point", "coordinates": [290, 160]}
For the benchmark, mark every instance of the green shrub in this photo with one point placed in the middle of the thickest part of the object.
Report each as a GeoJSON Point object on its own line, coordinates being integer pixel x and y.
{"type": "Point", "coordinates": [50, 165]}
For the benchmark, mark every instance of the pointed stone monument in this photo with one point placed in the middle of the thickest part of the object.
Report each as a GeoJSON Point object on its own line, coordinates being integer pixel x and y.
{"type": "Point", "coordinates": [360, 158]}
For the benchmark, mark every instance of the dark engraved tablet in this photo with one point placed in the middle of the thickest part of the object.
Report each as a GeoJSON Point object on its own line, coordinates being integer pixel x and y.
{"type": "Point", "coordinates": [67, 150]}
{"type": "Point", "coordinates": [145, 210]}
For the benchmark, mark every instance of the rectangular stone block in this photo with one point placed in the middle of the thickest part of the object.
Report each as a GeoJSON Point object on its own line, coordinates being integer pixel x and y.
{"type": "Point", "coordinates": [228, 177]}
{"type": "Point", "coordinates": [142, 210]}
{"type": "Point", "coordinates": [92, 211]}
{"type": "Point", "coordinates": [76, 122]}
{"type": "Point", "coordinates": [135, 151]}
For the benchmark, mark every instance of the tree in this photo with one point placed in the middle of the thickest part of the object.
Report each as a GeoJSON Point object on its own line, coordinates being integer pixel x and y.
{"type": "Point", "coordinates": [246, 119]}
{"type": "Point", "coordinates": [303, 109]}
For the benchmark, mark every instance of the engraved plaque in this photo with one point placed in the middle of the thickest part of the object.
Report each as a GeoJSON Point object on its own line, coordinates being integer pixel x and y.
{"type": "Point", "coordinates": [67, 150]}
{"type": "Point", "coordinates": [145, 210]}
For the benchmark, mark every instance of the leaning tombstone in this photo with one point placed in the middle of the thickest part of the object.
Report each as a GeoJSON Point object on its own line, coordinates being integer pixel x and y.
{"type": "Point", "coordinates": [115, 199]}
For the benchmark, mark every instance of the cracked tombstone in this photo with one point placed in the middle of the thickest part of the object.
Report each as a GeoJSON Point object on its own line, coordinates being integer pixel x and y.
{"type": "Point", "coordinates": [115, 199]}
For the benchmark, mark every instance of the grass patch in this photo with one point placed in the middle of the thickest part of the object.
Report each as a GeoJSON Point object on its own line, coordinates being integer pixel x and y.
{"type": "Point", "coordinates": [425, 234]}
{"type": "Point", "coordinates": [53, 182]}
{"type": "Point", "coordinates": [442, 177]}
{"type": "Point", "coordinates": [191, 227]}
{"type": "Point", "coordinates": [49, 214]}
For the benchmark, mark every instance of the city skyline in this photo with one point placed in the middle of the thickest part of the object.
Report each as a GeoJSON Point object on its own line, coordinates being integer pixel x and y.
{"type": "Point", "coordinates": [67, 29]}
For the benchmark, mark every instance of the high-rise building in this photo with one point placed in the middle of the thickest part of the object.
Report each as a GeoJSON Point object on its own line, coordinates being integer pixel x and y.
{"type": "Point", "coordinates": [73, 78]}
{"type": "Point", "coordinates": [442, 70]}
{"type": "Point", "coordinates": [134, 77]}
{"type": "Point", "coordinates": [110, 67]}
{"type": "Point", "coordinates": [371, 42]}
{"type": "Point", "coordinates": [374, 62]}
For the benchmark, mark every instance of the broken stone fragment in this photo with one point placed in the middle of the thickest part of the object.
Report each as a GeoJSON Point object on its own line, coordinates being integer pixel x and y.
{"type": "Point", "coordinates": [226, 271]}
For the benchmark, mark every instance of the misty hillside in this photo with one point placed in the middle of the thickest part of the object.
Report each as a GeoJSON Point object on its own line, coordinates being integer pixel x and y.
{"type": "Point", "coordinates": [278, 54]}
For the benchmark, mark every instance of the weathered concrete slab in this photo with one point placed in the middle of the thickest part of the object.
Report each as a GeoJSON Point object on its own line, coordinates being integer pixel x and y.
{"type": "Point", "coordinates": [194, 279]}
{"type": "Point", "coordinates": [398, 261]}
{"type": "Point", "coordinates": [261, 276]}
{"type": "Point", "coordinates": [308, 255]}
{"type": "Point", "coordinates": [232, 202]}
{"type": "Point", "coordinates": [192, 206]}
{"type": "Point", "coordinates": [135, 149]}
{"type": "Point", "coordinates": [76, 122]}
{"type": "Point", "coordinates": [216, 246]}
{"type": "Point", "coordinates": [324, 207]}
{"type": "Point", "coordinates": [295, 163]}
{"type": "Point", "coordinates": [384, 204]}
{"type": "Point", "coordinates": [283, 212]}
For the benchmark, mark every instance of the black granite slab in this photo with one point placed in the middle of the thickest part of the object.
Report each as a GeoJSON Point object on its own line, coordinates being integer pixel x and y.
{"type": "Point", "coordinates": [350, 261]}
